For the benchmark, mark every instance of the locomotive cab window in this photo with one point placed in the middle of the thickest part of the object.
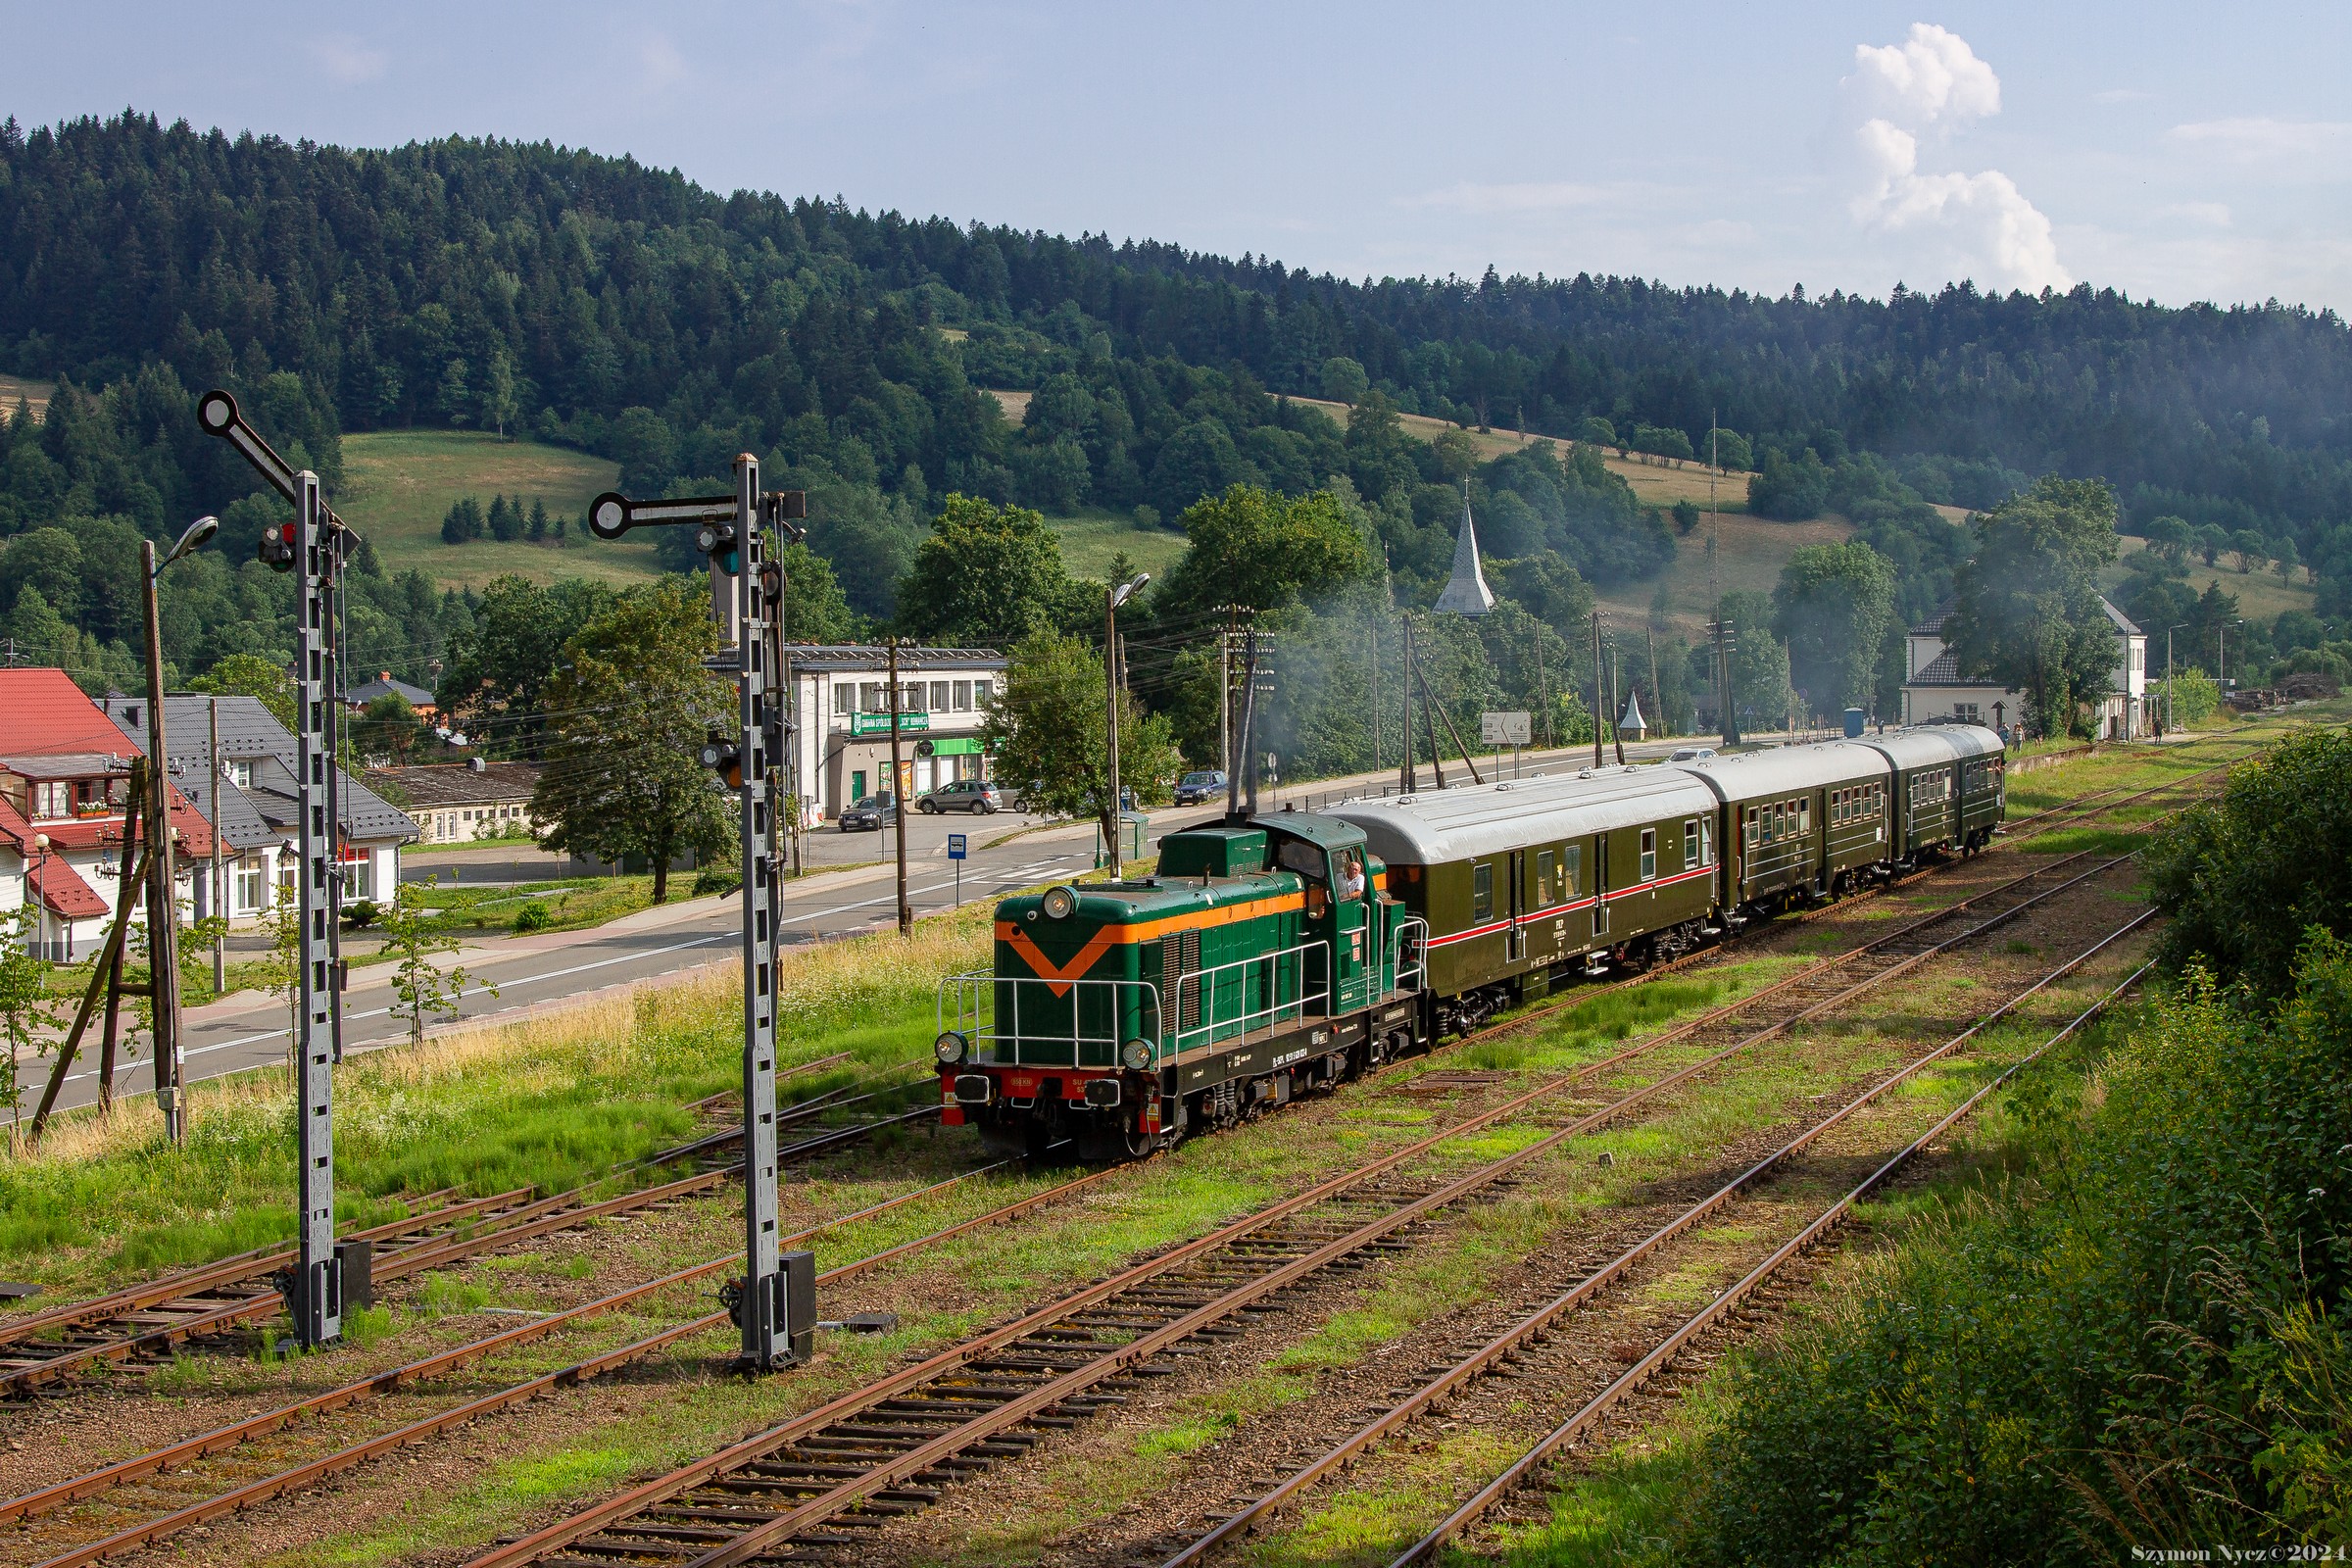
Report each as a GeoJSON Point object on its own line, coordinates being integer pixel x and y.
{"type": "Point", "coordinates": [1650, 855]}
{"type": "Point", "coordinates": [1482, 893]}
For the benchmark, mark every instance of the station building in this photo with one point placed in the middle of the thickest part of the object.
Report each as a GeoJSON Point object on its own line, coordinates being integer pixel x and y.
{"type": "Point", "coordinates": [1933, 687]}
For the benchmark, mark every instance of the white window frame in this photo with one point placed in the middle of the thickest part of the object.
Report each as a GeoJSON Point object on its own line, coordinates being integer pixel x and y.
{"type": "Point", "coordinates": [1650, 855]}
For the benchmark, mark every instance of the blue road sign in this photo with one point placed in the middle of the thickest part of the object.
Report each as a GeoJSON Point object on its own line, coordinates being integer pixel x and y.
{"type": "Point", "coordinates": [954, 846]}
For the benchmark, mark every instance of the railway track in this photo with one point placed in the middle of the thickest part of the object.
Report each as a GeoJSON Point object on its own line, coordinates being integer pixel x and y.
{"type": "Point", "coordinates": [1515, 1351]}
{"type": "Point", "coordinates": [148, 1323]}
{"type": "Point", "coordinates": [1803, 994]}
{"type": "Point", "coordinates": [1720, 1033]}
{"type": "Point", "coordinates": [821, 1483]}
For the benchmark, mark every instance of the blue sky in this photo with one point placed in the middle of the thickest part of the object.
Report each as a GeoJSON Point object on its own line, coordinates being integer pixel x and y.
{"type": "Point", "coordinates": [2177, 152]}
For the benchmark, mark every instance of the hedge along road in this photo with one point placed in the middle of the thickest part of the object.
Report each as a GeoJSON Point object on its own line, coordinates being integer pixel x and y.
{"type": "Point", "coordinates": [245, 1031]}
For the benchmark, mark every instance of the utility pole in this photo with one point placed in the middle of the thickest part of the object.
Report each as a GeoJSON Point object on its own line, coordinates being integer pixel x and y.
{"type": "Point", "coordinates": [1372, 646]}
{"type": "Point", "coordinates": [1599, 706]}
{"type": "Point", "coordinates": [1406, 779]}
{"type": "Point", "coordinates": [162, 907]}
{"type": "Point", "coordinates": [1616, 733]}
{"type": "Point", "coordinates": [898, 793]}
{"type": "Point", "coordinates": [134, 830]}
{"type": "Point", "coordinates": [1114, 681]}
{"type": "Point", "coordinates": [1237, 806]}
{"type": "Point", "coordinates": [1657, 700]}
{"type": "Point", "coordinates": [1225, 697]}
{"type": "Point", "coordinates": [219, 898]}
{"type": "Point", "coordinates": [1429, 725]}
{"type": "Point", "coordinates": [774, 1302]}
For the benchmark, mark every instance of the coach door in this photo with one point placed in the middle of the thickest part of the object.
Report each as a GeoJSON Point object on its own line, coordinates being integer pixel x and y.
{"type": "Point", "coordinates": [1514, 948]}
{"type": "Point", "coordinates": [1601, 887]}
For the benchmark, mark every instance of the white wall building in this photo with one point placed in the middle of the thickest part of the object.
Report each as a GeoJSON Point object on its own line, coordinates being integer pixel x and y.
{"type": "Point", "coordinates": [840, 697]}
{"type": "Point", "coordinates": [1933, 687]}
{"type": "Point", "coordinates": [459, 802]}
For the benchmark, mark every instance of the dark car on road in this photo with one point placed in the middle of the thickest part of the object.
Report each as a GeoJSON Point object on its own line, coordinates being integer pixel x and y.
{"type": "Point", "coordinates": [974, 795]}
{"type": "Point", "coordinates": [867, 814]}
{"type": "Point", "coordinates": [1196, 788]}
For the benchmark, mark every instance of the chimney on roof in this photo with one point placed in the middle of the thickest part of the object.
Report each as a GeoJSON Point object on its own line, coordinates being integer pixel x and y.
{"type": "Point", "coordinates": [477, 765]}
{"type": "Point", "coordinates": [383, 674]}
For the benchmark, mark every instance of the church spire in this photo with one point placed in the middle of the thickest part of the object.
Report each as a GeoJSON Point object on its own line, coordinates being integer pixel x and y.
{"type": "Point", "coordinates": [1466, 591]}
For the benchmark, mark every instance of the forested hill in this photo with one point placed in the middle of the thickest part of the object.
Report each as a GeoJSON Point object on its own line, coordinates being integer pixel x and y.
{"type": "Point", "coordinates": [406, 285]}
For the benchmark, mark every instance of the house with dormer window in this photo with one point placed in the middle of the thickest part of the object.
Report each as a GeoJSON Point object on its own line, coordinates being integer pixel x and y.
{"type": "Point", "coordinates": [1933, 688]}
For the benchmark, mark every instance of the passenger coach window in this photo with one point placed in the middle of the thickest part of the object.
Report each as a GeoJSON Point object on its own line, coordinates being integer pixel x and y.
{"type": "Point", "coordinates": [1543, 873]}
{"type": "Point", "coordinates": [1706, 841]}
{"type": "Point", "coordinates": [1805, 815]}
{"type": "Point", "coordinates": [1751, 827]}
{"type": "Point", "coordinates": [1482, 893]}
{"type": "Point", "coordinates": [1572, 870]}
{"type": "Point", "coordinates": [1650, 855]}
{"type": "Point", "coordinates": [1691, 850]}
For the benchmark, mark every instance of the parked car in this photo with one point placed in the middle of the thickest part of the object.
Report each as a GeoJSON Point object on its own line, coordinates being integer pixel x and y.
{"type": "Point", "coordinates": [1690, 754]}
{"type": "Point", "coordinates": [867, 814]}
{"type": "Point", "coordinates": [1194, 789]}
{"type": "Point", "coordinates": [973, 795]}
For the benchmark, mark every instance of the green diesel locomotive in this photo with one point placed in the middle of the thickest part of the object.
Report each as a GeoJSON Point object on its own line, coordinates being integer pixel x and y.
{"type": "Point", "coordinates": [1275, 955]}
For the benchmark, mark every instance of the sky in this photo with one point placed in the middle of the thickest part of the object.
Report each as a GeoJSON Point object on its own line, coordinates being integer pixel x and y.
{"type": "Point", "coordinates": [2176, 152]}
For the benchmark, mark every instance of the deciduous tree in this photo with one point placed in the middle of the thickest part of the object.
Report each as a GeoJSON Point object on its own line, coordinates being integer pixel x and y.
{"type": "Point", "coordinates": [2027, 614]}
{"type": "Point", "coordinates": [988, 576]}
{"type": "Point", "coordinates": [1050, 724]}
{"type": "Point", "coordinates": [1833, 606]}
{"type": "Point", "coordinates": [626, 719]}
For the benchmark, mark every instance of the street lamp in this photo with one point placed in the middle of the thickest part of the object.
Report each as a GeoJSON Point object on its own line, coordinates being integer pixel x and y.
{"type": "Point", "coordinates": [1111, 671]}
{"type": "Point", "coordinates": [162, 914]}
{"type": "Point", "coordinates": [2224, 669]}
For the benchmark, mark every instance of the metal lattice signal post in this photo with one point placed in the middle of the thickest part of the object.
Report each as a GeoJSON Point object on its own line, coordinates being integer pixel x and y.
{"type": "Point", "coordinates": [314, 547]}
{"type": "Point", "coordinates": [774, 1302]}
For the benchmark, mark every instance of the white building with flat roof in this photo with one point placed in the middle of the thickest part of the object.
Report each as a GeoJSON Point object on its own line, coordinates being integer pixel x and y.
{"type": "Point", "coordinates": [840, 699]}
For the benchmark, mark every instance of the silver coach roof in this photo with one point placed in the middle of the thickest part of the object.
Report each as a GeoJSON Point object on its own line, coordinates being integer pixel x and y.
{"type": "Point", "coordinates": [1437, 827]}
{"type": "Point", "coordinates": [1818, 765]}
{"type": "Point", "coordinates": [1925, 745]}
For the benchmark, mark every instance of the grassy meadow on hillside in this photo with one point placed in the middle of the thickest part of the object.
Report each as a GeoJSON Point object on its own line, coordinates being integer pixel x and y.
{"type": "Point", "coordinates": [35, 393]}
{"type": "Point", "coordinates": [399, 484]}
{"type": "Point", "coordinates": [2260, 595]}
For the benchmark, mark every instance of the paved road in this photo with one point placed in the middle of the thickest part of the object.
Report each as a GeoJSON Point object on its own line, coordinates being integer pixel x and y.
{"type": "Point", "coordinates": [239, 1033]}
{"type": "Point", "coordinates": [533, 971]}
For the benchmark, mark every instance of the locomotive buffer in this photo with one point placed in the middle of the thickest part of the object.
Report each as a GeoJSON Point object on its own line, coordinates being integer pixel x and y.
{"type": "Point", "coordinates": [774, 1303]}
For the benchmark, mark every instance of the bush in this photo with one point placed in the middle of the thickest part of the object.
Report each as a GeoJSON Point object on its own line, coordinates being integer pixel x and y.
{"type": "Point", "coordinates": [2154, 1356]}
{"type": "Point", "coordinates": [2246, 876]}
{"type": "Point", "coordinates": [359, 914]}
{"type": "Point", "coordinates": [2195, 698]}
{"type": "Point", "coordinates": [716, 879]}
{"type": "Point", "coordinates": [532, 916]}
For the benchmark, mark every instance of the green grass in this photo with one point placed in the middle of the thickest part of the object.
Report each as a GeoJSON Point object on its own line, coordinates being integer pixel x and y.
{"type": "Point", "coordinates": [551, 1103]}
{"type": "Point", "coordinates": [1090, 540]}
{"type": "Point", "coordinates": [36, 395]}
{"type": "Point", "coordinates": [399, 484]}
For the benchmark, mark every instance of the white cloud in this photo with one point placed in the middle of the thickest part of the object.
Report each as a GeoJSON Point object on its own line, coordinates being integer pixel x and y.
{"type": "Point", "coordinates": [346, 61]}
{"type": "Point", "coordinates": [2310, 145]}
{"type": "Point", "coordinates": [660, 66]}
{"type": "Point", "coordinates": [1933, 84]}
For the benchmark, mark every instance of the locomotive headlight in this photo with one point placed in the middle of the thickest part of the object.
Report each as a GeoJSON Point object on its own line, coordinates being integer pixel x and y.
{"type": "Point", "coordinates": [1136, 1053]}
{"type": "Point", "coordinates": [1061, 904]}
{"type": "Point", "coordinates": [951, 1048]}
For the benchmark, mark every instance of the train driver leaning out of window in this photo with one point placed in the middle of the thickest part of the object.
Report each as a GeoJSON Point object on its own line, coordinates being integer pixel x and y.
{"type": "Point", "coordinates": [1352, 874]}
